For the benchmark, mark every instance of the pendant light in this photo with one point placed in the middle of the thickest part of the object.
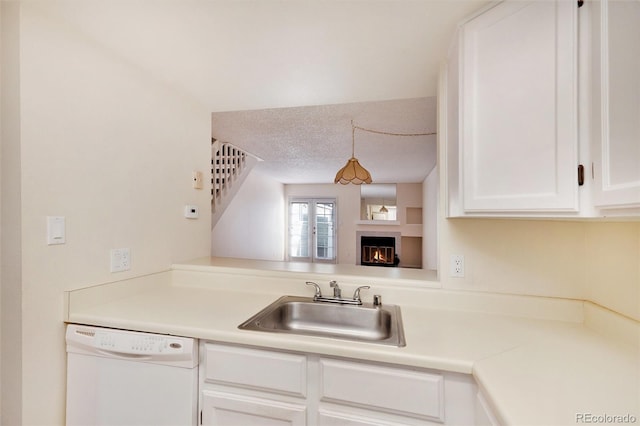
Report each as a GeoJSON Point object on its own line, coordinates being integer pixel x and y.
{"type": "Point", "coordinates": [353, 172]}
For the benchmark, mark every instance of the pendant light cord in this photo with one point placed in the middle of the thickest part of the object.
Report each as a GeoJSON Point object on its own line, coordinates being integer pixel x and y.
{"type": "Point", "coordinates": [379, 132]}
{"type": "Point", "coordinates": [353, 140]}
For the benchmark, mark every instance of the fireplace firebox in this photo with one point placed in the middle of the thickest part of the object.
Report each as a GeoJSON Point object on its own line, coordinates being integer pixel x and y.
{"type": "Point", "coordinates": [378, 251]}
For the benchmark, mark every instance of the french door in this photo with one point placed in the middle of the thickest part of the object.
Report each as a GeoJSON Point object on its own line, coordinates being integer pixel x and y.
{"type": "Point", "coordinates": [312, 230]}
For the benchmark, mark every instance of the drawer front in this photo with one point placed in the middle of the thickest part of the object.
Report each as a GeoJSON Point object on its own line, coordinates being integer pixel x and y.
{"type": "Point", "coordinates": [338, 418]}
{"type": "Point", "coordinates": [399, 391]}
{"type": "Point", "coordinates": [257, 369]}
{"type": "Point", "coordinates": [219, 408]}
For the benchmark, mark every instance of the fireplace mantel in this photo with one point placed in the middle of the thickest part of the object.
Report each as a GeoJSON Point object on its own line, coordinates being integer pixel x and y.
{"type": "Point", "coordinates": [378, 222]}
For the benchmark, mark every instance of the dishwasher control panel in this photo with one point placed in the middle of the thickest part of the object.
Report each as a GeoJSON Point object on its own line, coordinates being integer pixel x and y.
{"type": "Point", "coordinates": [133, 345]}
{"type": "Point", "coordinates": [137, 343]}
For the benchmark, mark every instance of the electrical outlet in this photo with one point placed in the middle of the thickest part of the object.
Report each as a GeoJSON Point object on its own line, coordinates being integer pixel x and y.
{"type": "Point", "coordinates": [120, 260]}
{"type": "Point", "coordinates": [457, 266]}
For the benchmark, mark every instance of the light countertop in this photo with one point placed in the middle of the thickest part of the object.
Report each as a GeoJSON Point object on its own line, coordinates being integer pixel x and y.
{"type": "Point", "coordinates": [545, 367]}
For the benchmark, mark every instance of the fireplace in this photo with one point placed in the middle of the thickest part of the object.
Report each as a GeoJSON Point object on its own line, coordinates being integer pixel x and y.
{"type": "Point", "coordinates": [378, 251]}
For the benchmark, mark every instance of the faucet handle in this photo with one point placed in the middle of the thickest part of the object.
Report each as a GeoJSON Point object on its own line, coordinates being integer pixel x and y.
{"type": "Point", "coordinates": [356, 294]}
{"type": "Point", "coordinates": [318, 291]}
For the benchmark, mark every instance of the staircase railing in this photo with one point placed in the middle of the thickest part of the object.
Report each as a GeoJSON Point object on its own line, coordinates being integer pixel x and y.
{"type": "Point", "coordinates": [229, 165]}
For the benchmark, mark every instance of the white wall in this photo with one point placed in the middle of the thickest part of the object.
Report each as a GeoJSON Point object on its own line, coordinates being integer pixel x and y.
{"type": "Point", "coordinates": [252, 226]}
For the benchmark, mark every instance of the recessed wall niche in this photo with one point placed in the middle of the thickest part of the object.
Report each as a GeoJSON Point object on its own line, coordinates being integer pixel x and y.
{"type": "Point", "coordinates": [414, 215]}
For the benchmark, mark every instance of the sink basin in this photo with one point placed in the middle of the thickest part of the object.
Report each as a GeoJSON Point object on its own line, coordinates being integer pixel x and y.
{"type": "Point", "coordinates": [301, 315]}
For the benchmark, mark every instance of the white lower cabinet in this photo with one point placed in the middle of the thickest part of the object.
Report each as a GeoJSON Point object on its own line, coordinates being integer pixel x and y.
{"type": "Point", "coordinates": [249, 386]}
{"type": "Point", "coordinates": [245, 386]}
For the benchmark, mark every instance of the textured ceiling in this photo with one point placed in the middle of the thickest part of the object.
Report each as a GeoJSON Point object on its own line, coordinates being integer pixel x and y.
{"type": "Point", "coordinates": [310, 144]}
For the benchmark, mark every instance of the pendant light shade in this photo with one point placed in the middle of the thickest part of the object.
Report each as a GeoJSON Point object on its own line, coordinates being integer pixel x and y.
{"type": "Point", "coordinates": [353, 172]}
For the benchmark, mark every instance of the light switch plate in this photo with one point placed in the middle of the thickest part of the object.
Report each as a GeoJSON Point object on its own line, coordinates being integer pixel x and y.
{"type": "Point", "coordinates": [56, 230]}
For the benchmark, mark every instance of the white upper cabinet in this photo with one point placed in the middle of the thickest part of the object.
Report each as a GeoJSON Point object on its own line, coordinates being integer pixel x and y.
{"type": "Point", "coordinates": [616, 104]}
{"type": "Point", "coordinates": [513, 147]}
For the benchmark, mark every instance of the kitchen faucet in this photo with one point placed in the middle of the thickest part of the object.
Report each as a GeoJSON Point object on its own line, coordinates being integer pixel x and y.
{"type": "Point", "coordinates": [337, 294]}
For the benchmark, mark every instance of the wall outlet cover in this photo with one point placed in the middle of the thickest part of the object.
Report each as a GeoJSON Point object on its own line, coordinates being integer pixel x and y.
{"type": "Point", "coordinates": [457, 266]}
{"type": "Point", "coordinates": [120, 260]}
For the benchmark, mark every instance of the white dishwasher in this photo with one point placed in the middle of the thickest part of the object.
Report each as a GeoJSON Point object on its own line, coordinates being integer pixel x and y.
{"type": "Point", "coordinates": [117, 377]}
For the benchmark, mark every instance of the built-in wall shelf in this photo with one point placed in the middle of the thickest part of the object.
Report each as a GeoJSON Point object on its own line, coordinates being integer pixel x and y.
{"type": "Point", "coordinates": [378, 222]}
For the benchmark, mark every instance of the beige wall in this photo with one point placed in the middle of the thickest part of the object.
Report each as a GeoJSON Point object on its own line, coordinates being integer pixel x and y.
{"type": "Point", "coordinates": [430, 234]}
{"type": "Point", "coordinates": [409, 195]}
{"type": "Point", "coordinates": [612, 266]}
{"type": "Point", "coordinates": [2, 58]}
{"type": "Point", "coordinates": [10, 215]}
{"type": "Point", "coordinates": [576, 260]}
{"type": "Point", "coordinates": [542, 258]}
{"type": "Point", "coordinates": [110, 145]}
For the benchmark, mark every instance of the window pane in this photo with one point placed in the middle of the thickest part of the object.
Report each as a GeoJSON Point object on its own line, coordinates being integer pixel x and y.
{"type": "Point", "coordinates": [299, 229]}
{"type": "Point", "coordinates": [325, 236]}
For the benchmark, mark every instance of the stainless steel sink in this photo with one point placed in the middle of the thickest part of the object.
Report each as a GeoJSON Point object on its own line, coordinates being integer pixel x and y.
{"type": "Point", "coordinates": [301, 315]}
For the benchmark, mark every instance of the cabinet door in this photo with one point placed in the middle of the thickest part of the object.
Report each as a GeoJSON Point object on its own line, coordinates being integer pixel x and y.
{"type": "Point", "coordinates": [228, 409]}
{"type": "Point", "coordinates": [518, 109]}
{"type": "Point", "coordinates": [616, 94]}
